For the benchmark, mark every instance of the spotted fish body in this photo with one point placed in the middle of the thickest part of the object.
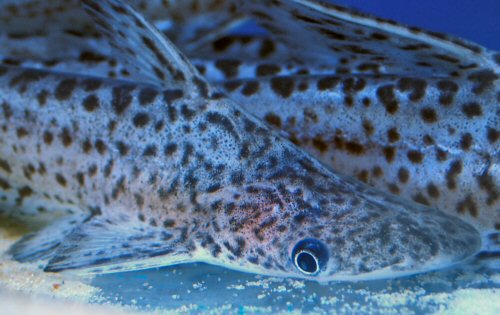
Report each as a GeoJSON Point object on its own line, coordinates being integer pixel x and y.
{"type": "Point", "coordinates": [447, 158]}
{"type": "Point", "coordinates": [423, 122]}
{"type": "Point", "coordinates": [435, 141]}
{"type": "Point", "coordinates": [160, 175]}
{"type": "Point", "coordinates": [156, 188]}
{"type": "Point", "coordinates": [429, 140]}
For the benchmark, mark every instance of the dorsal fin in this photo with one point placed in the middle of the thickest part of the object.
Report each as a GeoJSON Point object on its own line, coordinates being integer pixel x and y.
{"type": "Point", "coordinates": [187, 22]}
{"type": "Point", "coordinates": [29, 18]}
{"type": "Point", "coordinates": [335, 36]}
{"type": "Point", "coordinates": [195, 23]}
{"type": "Point", "coordinates": [143, 48]}
{"type": "Point", "coordinates": [249, 48]}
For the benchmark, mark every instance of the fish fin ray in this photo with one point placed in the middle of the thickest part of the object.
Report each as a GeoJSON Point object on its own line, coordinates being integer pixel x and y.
{"type": "Point", "coordinates": [489, 256]}
{"type": "Point", "coordinates": [143, 48]}
{"type": "Point", "coordinates": [42, 244]}
{"type": "Point", "coordinates": [105, 244]}
{"type": "Point", "coordinates": [212, 21]}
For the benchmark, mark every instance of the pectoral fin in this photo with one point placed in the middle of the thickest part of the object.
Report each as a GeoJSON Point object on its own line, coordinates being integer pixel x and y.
{"type": "Point", "coordinates": [106, 244]}
{"type": "Point", "coordinates": [43, 243]}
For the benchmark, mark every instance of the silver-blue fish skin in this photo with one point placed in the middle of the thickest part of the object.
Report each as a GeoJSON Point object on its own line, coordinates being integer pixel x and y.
{"type": "Point", "coordinates": [433, 140]}
{"type": "Point", "coordinates": [436, 72]}
{"type": "Point", "coordinates": [198, 180]}
{"type": "Point", "coordinates": [218, 182]}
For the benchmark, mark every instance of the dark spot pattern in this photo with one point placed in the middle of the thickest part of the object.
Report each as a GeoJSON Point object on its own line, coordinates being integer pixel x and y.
{"type": "Point", "coordinates": [250, 88]}
{"type": "Point", "coordinates": [487, 184]}
{"type": "Point", "coordinates": [415, 157]}
{"type": "Point", "coordinates": [386, 96]}
{"type": "Point", "coordinates": [327, 83]}
{"type": "Point", "coordinates": [428, 115]}
{"type": "Point", "coordinates": [121, 98]}
{"type": "Point", "coordinates": [468, 204]}
{"type": "Point", "coordinates": [483, 79]}
{"type": "Point", "coordinates": [66, 137]}
{"type": "Point", "coordinates": [122, 148]}
{"type": "Point", "coordinates": [441, 155]}
{"type": "Point", "coordinates": [222, 121]}
{"type": "Point", "coordinates": [26, 77]}
{"type": "Point", "coordinates": [147, 96]}
{"type": "Point", "coordinates": [273, 120]}
{"type": "Point", "coordinates": [42, 97]}
{"type": "Point", "coordinates": [228, 66]}
{"type": "Point", "coordinates": [170, 149]}
{"type": "Point", "coordinates": [283, 86]}
{"type": "Point", "coordinates": [472, 110]}
{"type": "Point", "coordinates": [100, 146]}
{"type": "Point", "coordinates": [393, 135]}
{"type": "Point", "coordinates": [61, 180]}
{"type": "Point", "coordinates": [91, 103]}
{"type": "Point", "coordinates": [320, 144]}
{"type": "Point", "coordinates": [80, 178]}
{"type": "Point", "coordinates": [5, 166]}
{"type": "Point", "coordinates": [492, 134]}
{"type": "Point", "coordinates": [23, 193]}
{"type": "Point", "coordinates": [452, 173]}
{"type": "Point", "coordinates": [64, 89]}
{"type": "Point", "coordinates": [150, 150]}
{"type": "Point", "coordinates": [420, 198]}
{"type": "Point", "coordinates": [466, 141]}
{"type": "Point", "coordinates": [172, 95]}
{"type": "Point", "coordinates": [354, 148]}
{"type": "Point", "coordinates": [390, 154]}
{"type": "Point", "coordinates": [7, 110]}
{"type": "Point", "coordinates": [403, 175]}
{"type": "Point", "coordinates": [198, 164]}
{"type": "Point", "coordinates": [433, 190]}
{"type": "Point", "coordinates": [140, 120]}
{"type": "Point", "coordinates": [187, 113]}
{"type": "Point", "coordinates": [267, 70]}
{"type": "Point", "coordinates": [416, 87]}
{"type": "Point", "coordinates": [368, 127]}
{"type": "Point", "coordinates": [448, 90]}
{"type": "Point", "coordinates": [21, 132]}
{"type": "Point", "coordinates": [233, 85]}
{"type": "Point", "coordinates": [48, 137]}
{"type": "Point", "coordinates": [91, 84]}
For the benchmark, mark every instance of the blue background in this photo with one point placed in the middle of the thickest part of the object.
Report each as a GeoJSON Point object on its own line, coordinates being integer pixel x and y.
{"type": "Point", "coordinates": [475, 20]}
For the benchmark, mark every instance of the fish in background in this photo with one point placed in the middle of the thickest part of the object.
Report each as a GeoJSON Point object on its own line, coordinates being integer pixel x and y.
{"type": "Point", "coordinates": [187, 22]}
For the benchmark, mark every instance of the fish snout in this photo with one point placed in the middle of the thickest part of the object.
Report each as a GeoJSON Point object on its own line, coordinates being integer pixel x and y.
{"type": "Point", "coordinates": [404, 243]}
{"type": "Point", "coordinates": [374, 244]}
{"type": "Point", "coordinates": [430, 241]}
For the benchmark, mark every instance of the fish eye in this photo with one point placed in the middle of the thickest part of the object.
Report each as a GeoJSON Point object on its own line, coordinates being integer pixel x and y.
{"type": "Point", "coordinates": [310, 256]}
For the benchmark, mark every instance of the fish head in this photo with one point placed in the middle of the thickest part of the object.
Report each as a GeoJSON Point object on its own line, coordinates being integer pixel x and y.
{"type": "Point", "coordinates": [376, 239]}
{"type": "Point", "coordinates": [326, 227]}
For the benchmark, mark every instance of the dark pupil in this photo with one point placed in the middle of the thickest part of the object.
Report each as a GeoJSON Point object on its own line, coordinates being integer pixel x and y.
{"type": "Point", "coordinates": [307, 263]}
